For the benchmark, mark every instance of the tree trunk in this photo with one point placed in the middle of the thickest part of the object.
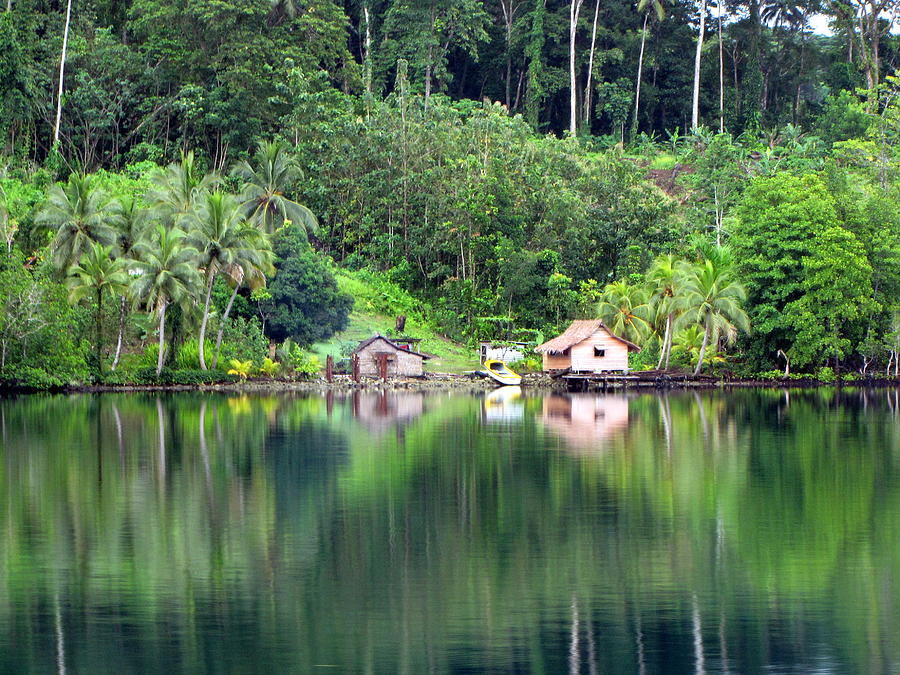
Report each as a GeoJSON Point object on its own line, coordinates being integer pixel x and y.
{"type": "Point", "coordinates": [695, 106]}
{"type": "Point", "coordinates": [664, 350]}
{"type": "Point", "coordinates": [62, 66]}
{"type": "Point", "coordinates": [122, 316]}
{"type": "Point", "coordinates": [590, 72]}
{"type": "Point", "coordinates": [574, 10]}
{"type": "Point", "coordinates": [162, 332]}
{"type": "Point", "coordinates": [703, 348]}
{"type": "Point", "coordinates": [637, 89]}
{"type": "Point", "coordinates": [721, 75]}
{"type": "Point", "coordinates": [211, 275]}
{"type": "Point", "coordinates": [100, 332]}
{"type": "Point", "coordinates": [215, 362]}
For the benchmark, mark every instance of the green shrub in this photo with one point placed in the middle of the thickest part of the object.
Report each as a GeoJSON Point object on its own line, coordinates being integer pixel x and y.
{"type": "Point", "coordinates": [185, 377]}
{"type": "Point", "coordinates": [304, 363]}
{"type": "Point", "coordinates": [269, 368]}
{"type": "Point", "coordinates": [188, 357]}
{"type": "Point", "coordinates": [825, 374]}
{"type": "Point", "coordinates": [243, 339]}
{"type": "Point", "coordinates": [529, 364]}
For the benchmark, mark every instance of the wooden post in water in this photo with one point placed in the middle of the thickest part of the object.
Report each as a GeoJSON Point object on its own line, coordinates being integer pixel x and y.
{"type": "Point", "coordinates": [354, 367]}
{"type": "Point", "coordinates": [329, 368]}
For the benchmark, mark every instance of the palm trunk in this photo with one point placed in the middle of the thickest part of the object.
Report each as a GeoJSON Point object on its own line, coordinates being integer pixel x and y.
{"type": "Point", "coordinates": [100, 332]}
{"type": "Point", "coordinates": [122, 315]}
{"type": "Point", "coordinates": [62, 66]}
{"type": "Point", "coordinates": [215, 362]}
{"type": "Point", "coordinates": [210, 277]}
{"type": "Point", "coordinates": [703, 348]}
{"type": "Point", "coordinates": [162, 337]}
{"type": "Point", "coordinates": [664, 351]}
{"type": "Point", "coordinates": [671, 337]}
{"type": "Point", "coordinates": [637, 90]}
{"type": "Point", "coordinates": [695, 108]}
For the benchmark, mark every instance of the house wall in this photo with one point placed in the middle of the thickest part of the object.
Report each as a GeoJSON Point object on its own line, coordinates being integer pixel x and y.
{"type": "Point", "coordinates": [583, 359]}
{"type": "Point", "coordinates": [402, 362]}
{"type": "Point", "coordinates": [556, 361]}
{"type": "Point", "coordinates": [508, 354]}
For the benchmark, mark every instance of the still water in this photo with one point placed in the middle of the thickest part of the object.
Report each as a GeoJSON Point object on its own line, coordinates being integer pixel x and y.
{"type": "Point", "coordinates": [412, 533]}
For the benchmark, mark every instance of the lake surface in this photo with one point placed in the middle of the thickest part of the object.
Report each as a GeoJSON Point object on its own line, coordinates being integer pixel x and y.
{"type": "Point", "coordinates": [412, 533]}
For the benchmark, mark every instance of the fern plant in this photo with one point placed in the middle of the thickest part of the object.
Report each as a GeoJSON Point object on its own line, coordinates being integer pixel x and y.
{"type": "Point", "coordinates": [269, 368]}
{"type": "Point", "coordinates": [241, 368]}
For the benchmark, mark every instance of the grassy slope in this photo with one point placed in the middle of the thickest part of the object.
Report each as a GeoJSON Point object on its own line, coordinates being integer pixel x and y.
{"type": "Point", "coordinates": [375, 310]}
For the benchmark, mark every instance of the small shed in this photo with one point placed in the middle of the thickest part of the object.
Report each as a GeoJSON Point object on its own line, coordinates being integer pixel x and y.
{"type": "Point", "coordinates": [587, 346]}
{"type": "Point", "coordinates": [508, 351]}
{"type": "Point", "coordinates": [402, 360]}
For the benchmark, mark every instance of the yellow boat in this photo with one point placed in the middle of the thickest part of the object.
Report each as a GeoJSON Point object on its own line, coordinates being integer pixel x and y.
{"type": "Point", "coordinates": [500, 372]}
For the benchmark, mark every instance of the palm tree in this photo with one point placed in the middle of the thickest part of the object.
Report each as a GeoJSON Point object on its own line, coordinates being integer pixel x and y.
{"type": "Point", "coordinates": [97, 275]}
{"type": "Point", "coordinates": [624, 310]}
{"type": "Point", "coordinates": [266, 181]}
{"type": "Point", "coordinates": [222, 236]}
{"type": "Point", "coordinates": [663, 278]}
{"type": "Point", "coordinates": [78, 211]}
{"type": "Point", "coordinates": [236, 274]}
{"type": "Point", "coordinates": [167, 274]}
{"type": "Point", "coordinates": [711, 298]}
{"type": "Point", "coordinates": [130, 222]}
{"type": "Point", "coordinates": [177, 189]}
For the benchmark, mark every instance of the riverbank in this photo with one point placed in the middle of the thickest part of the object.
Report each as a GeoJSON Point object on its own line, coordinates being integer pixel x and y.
{"type": "Point", "coordinates": [470, 382]}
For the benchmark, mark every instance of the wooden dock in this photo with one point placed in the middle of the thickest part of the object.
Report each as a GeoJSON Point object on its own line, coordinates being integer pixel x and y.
{"type": "Point", "coordinates": [658, 379]}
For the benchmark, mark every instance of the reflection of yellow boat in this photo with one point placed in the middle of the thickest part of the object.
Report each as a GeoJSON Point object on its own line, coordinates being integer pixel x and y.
{"type": "Point", "coordinates": [501, 373]}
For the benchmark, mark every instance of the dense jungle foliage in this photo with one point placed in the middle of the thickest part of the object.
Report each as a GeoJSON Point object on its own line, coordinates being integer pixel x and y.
{"type": "Point", "coordinates": [181, 181]}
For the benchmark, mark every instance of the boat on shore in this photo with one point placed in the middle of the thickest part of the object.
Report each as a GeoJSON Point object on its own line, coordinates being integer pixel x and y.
{"type": "Point", "coordinates": [500, 372]}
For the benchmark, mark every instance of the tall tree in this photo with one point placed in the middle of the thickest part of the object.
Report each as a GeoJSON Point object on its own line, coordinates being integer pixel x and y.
{"type": "Point", "coordinates": [62, 71]}
{"type": "Point", "coordinates": [130, 221]}
{"type": "Point", "coordinates": [625, 310]}
{"type": "Point", "coordinates": [574, 11]}
{"type": "Point", "coordinates": [424, 32]}
{"type": "Point", "coordinates": [167, 274]}
{"type": "Point", "coordinates": [664, 276]}
{"type": "Point", "coordinates": [222, 237]}
{"type": "Point", "coordinates": [177, 189]}
{"type": "Point", "coordinates": [97, 275]}
{"type": "Point", "coordinates": [711, 298]}
{"type": "Point", "coordinates": [271, 175]}
{"type": "Point", "coordinates": [647, 8]}
{"type": "Point", "coordinates": [695, 99]}
{"type": "Point", "coordinates": [79, 212]}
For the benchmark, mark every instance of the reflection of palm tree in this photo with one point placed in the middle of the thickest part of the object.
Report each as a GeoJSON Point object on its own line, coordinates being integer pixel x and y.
{"type": "Point", "coordinates": [222, 237]}
{"type": "Point", "coordinates": [167, 274]}
{"type": "Point", "coordinates": [96, 276]}
{"type": "Point", "coordinates": [78, 213]}
{"type": "Point", "coordinates": [712, 299]}
{"type": "Point", "coordinates": [266, 181]}
{"type": "Point", "coordinates": [624, 310]}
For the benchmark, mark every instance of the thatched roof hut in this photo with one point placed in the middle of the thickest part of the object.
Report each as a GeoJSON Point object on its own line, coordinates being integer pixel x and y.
{"type": "Point", "coordinates": [587, 346]}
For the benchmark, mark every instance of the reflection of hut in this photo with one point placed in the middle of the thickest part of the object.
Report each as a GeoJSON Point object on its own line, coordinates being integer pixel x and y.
{"type": "Point", "coordinates": [384, 410]}
{"type": "Point", "coordinates": [585, 420]}
{"type": "Point", "coordinates": [401, 360]}
{"type": "Point", "coordinates": [587, 346]}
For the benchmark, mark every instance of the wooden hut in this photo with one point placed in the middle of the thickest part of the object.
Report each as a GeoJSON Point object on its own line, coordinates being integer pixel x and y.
{"type": "Point", "coordinates": [587, 346]}
{"type": "Point", "coordinates": [402, 360]}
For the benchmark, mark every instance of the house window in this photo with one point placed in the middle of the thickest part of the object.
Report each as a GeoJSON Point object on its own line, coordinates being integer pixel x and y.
{"type": "Point", "coordinates": [599, 352]}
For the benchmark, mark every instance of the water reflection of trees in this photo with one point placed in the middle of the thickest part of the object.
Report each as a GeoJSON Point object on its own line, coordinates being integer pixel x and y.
{"type": "Point", "coordinates": [733, 530]}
